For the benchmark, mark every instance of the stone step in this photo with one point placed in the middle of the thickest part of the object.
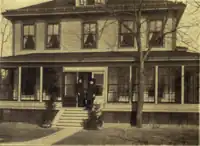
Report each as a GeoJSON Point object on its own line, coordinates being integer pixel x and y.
{"type": "Point", "coordinates": [70, 121]}
{"type": "Point", "coordinates": [69, 124]}
{"type": "Point", "coordinates": [70, 115]}
{"type": "Point", "coordinates": [73, 118]}
{"type": "Point", "coordinates": [75, 112]}
{"type": "Point", "coordinates": [75, 109]}
{"type": "Point", "coordinates": [63, 127]}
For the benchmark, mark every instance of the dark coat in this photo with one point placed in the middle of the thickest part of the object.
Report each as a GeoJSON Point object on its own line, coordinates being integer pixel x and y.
{"type": "Point", "coordinates": [80, 89]}
{"type": "Point", "coordinates": [91, 91]}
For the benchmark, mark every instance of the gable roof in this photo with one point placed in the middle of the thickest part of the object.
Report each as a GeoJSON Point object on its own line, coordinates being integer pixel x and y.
{"type": "Point", "coordinates": [68, 7]}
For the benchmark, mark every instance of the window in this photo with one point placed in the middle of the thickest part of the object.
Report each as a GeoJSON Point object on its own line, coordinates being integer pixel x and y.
{"type": "Point", "coordinates": [29, 36]}
{"type": "Point", "coordinates": [126, 34]}
{"type": "Point", "coordinates": [99, 84]}
{"type": "Point", "coordinates": [53, 37]}
{"type": "Point", "coordinates": [29, 86]}
{"type": "Point", "coordinates": [118, 84]}
{"type": "Point", "coordinates": [90, 2]}
{"type": "Point", "coordinates": [169, 84]}
{"type": "Point", "coordinates": [51, 82]}
{"type": "Point", "coordinates": [82, 2]}
{"type": "Point", "coordinates": [149, 90]}
{"type": "Point", "coordinates": [155, 36]}
{"type": "Point", "coordinates": [89, 35]}
{"type": "Point", "coordinates": [86, 2]}
{"type": "Point", "coordinates": [99, 1]}
{"type": "Point", "coordinates": [7, 84]}
{"type": "Point", "coordinates": [191, 89]}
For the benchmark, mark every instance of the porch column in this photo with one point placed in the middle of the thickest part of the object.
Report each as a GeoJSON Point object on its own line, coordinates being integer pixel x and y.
{"type": "Point", "coordinates": [156, 84]}
{"type": "Point", "coordinates": [182, 83]}
{"type": "Point", "coordinates": [41, 83]}
{"type": "Point", "coordinates": [199, 79]}
{"type": "Point", "coordinates": [19, 82]}
{"type": "Point", "coordinates": [130, 84]}
{"type": "Point", "coordinates": [77, 78]}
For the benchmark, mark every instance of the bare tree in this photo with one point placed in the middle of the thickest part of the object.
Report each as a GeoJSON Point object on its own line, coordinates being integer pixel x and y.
{"type": "Point", "coordinates": [5, 31]}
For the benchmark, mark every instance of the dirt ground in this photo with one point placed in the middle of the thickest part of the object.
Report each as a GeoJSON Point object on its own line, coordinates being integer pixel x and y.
{"type": "Point", "coordinates": [19, 132]}
{"type": "Point", "coordinates": [131, 135]}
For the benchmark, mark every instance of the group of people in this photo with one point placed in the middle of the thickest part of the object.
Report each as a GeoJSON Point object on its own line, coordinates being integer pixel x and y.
{"type": "Point", "coordinates": [86, 97]}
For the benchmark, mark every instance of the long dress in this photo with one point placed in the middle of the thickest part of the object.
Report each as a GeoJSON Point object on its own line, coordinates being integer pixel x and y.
{"type": "Point", "coordinates": [90, 95]}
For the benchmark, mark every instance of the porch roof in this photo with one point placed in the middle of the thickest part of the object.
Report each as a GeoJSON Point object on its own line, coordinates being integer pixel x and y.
{"type": "Point", "coordinates": [100, 57]}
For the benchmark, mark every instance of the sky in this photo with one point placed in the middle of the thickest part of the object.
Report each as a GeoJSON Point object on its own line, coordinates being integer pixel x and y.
{"type": "Point", "coordinates": [192, 38]}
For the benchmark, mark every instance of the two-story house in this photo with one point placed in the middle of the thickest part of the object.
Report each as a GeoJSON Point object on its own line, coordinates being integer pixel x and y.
{"type": "Point", "coordinates": [61, 41]}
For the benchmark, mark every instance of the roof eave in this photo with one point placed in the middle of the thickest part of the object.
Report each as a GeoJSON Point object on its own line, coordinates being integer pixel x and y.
{"type": "Point", "coordinates": [16, 13]}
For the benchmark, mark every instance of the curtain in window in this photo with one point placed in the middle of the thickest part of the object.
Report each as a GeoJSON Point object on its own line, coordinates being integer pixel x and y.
{"type": "Point", "coordinates": [53, 37]}
{"type": "Point", "coordinates": [156, 33]}
{"type": "Point", "coordinates": [29, 37]}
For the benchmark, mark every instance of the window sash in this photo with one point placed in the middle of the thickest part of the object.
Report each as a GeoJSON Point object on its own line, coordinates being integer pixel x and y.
{"type": "Point", "coordinates": [125, 32]}
{"type": "Point", "coordinates": [89, 30]}
{"type": "Point", "coordinates": [53, 36]}
{"type": "Point", "coordinates": [125, 24]}
{"type": "Point", "coordinates": [155, 34]}
{"type": "Point", "coordinates": [82, 2]}
{"type": "Point", "coordinates": [29, 35]}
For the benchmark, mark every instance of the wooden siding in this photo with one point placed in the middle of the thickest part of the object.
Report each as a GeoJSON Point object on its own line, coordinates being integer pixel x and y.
{"type": "Point", "coordinates": [71, 36]}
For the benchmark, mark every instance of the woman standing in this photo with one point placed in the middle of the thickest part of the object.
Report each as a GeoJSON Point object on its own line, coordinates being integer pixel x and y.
{"type": "Point", "coordinates": [91, 94]}
{"type": "Point", "coordinates": [80, 93]}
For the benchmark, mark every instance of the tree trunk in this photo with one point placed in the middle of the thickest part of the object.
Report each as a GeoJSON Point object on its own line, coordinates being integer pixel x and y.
{"type": "Point", "coordinates": [140, 100]}
{"type": "Point", "coordinates": [141, 95]}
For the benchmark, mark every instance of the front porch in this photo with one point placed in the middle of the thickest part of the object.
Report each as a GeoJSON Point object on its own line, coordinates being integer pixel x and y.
{"type": "Point", "coordinates": [167, 88]}
{"type": "Point", "coordinates": [172, 79]}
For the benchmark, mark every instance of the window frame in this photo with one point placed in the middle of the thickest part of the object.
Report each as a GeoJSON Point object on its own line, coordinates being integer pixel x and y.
{"type": "Point", "coordinates": [122, 86]}
{"type": "Point", "coordinates": [98, 84]}
{"type": "Point", "coordinates": [97, 2]}
{"type": "Point", "coordinates": [149, 32]}
{"type": "Point", "coordinates": [169, 74]}
{"type": "Point", "coordinates": [82, 2]}
{"type": "Point", "coordinates": [120, 23]}
{"type": "Point", "coordinates": [83, 34]}
{"type": "Point", "coordinates": [47, 35]}
{"type": "Point", "coordinates": [23, 36]}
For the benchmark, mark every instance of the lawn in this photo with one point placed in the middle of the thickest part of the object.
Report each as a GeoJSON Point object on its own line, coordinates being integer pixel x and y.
{"type": "Point", "coordinates": [147, 135]}
{"type": "Point", "coordinates": [19, 132]}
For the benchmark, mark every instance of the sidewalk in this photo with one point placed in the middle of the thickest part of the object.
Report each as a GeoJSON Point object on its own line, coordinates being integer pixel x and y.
{"type": "Point", "coordinates": [48, 140]}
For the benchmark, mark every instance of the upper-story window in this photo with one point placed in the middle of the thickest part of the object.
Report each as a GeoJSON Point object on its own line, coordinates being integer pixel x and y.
{"type": "Point", "coordinates": [53, 36]}
{"type": "Point", "coordinates": [29, 36]}
{"type": "Point", "coordinates": [82, 2]}
{"type": "Point", "coordinates": [155, 36]}
{"type": "Point", "coordinates": [89, 35]}
{"type": "Point", "coordinates": [90, 2]}
{"type": "Point", "coordinates": [99, 1]}
{"type": "Point", "coordinates": [126, 33]}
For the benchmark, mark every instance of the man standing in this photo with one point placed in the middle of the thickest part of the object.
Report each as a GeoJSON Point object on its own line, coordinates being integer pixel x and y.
{"type": "Point", "coordinates": [80, 93]}
{"type": "Point", "coordinates": [91, 94]}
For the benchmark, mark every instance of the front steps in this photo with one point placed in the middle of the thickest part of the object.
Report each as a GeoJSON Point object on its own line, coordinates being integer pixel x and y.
{"type": "Point", "coordinates": [70, 117]}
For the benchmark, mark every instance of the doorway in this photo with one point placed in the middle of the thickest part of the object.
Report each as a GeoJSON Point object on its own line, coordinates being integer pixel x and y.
{"type": "Point", "coordinates": [86, 77]}
{"type": "Point", "coordinates": [70, 84]}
